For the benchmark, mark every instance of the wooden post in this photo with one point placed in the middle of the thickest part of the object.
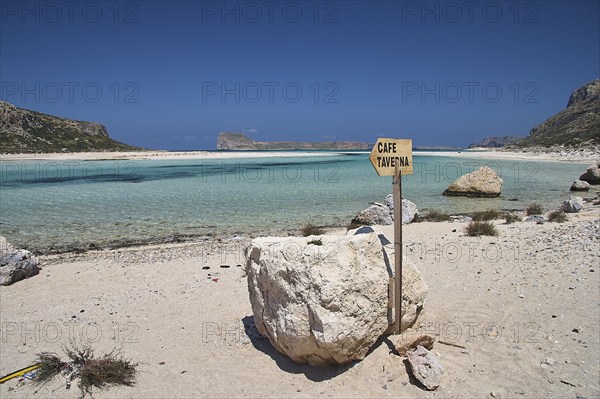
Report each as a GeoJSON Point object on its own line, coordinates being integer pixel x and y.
{"type": "Point", "coordinates": [397, 193]}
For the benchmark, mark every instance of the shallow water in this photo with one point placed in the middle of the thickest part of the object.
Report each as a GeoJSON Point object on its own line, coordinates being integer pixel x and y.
{"type": "Point", "coordinates": [47, 204]}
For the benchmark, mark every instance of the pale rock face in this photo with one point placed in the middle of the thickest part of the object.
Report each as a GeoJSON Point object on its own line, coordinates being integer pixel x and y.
{"type": "Point", "coordinates": [379, 214]}
{"type": "Point", "coordinates": [592, 174]}
{"type": "Point", "coordinates": [574, 205]}
{"type": "Point", "coordinates": [374, 215]}
{"type": "Point", "coordinates": [327, 304]}
{"type": "Point", "coordinates": [425, 367]}
{"type": "Point", "coordinates": [16, 266]}
{"type": "Point", "coordinates": [483, 182]}
{"type": "Point", "coordinates": [409, 209]}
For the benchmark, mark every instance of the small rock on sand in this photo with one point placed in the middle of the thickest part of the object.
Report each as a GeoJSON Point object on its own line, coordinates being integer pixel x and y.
{"type": "Point", "coordinates": [425, 367]}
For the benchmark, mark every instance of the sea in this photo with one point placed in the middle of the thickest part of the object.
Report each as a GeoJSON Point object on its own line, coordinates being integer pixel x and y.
{"type": "Point", "coordinates": [57, 206]}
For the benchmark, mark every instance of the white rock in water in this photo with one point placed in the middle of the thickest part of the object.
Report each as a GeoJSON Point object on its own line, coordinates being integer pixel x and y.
{"type": "Point", "coordinates": [484, 182]}
{"type": "Point", "coordinates": [592, 174]}
{"type": "Point", "coordinates": [327, 304]}
{"type": "Point", "coordinates": [580, 185]}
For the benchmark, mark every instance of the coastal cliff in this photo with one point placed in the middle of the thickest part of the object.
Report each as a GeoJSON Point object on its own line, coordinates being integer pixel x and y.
{"type": "Point", "coordinates": [25, 131]}
{"type": "Point", "coordinates": [239, 141]}
{"type": "Point", "coordinates": [578, 125]}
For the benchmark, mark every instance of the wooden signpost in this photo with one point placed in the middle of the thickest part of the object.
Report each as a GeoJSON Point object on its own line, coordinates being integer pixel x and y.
{"type": "Point", "coordinates": [393, 157]}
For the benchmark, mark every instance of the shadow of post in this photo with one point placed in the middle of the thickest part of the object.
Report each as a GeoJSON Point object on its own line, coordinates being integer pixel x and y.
{"type": "Point", "coordinates": [286, 364]}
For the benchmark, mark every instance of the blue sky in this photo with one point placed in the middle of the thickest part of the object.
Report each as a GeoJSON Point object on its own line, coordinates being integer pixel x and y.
{"type": "Point", "coordinates": [174, 74]}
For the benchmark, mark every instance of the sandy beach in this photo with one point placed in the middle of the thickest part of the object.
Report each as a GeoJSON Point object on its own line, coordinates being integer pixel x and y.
{"type": "Point", "coordinates": [524, 305]}
{"type": "Point", "coordinates": [583, 156]}
{"type": "Point", "coordinates": [166, 155]}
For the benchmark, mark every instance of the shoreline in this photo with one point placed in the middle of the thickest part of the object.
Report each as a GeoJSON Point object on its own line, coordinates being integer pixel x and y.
{"type": "Point", "coordinates": [583, 156]}
{"type": "Point", "coordinates": [578, 156]}
{"type": "Point", "coordinates": [87, 250]}
{"type": "Point", "coordinates": [166, 155]}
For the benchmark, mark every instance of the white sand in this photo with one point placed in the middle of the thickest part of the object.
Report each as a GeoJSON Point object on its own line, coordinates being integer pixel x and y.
{"type": "Point", "coordinates": [513, 302]}
{"type": "Point", "coordinates": [96, 156]}
{"type": "Point", "coordinates": [584, 156]}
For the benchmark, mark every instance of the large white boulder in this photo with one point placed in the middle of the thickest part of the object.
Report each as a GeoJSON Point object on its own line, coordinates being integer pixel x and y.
{"type": "Point", "coordinates": [484, 182]}
{"type": "Point", "coordinates": [327, 304]}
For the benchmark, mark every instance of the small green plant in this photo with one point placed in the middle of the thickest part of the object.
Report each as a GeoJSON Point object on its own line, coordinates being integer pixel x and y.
{"type": "Point", "coordinates": [100, 373]}
{"type": "Point", "coordinates": [312, 230]}
{"type": "Point", "coordinates": [315, 242]}
{"type": "Point", "coordinates": [482, 216]}
{"type": "Point", "coordinates": [481, 229]}
{"type": "Point", "coordinates": [557, 216]}
{"type": "Point", "coordinates": [512, 217]}
{"type": "Point", "coordinates": [434, 216]}
{"type": "Point", "coordinates": [534, 209]}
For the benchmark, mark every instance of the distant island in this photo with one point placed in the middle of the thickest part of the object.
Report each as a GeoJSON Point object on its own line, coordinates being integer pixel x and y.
{"type": "Point", "coordinates": [25, 131]}
{"type": "Point", "coordinates": [239, 141]}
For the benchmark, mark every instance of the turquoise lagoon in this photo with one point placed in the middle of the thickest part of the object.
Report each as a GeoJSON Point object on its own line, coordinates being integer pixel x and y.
{"type": "Point", "coordinates": [60, 205]}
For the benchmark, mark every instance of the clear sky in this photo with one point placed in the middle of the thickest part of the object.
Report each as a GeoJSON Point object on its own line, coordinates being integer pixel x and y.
{"type": "Point", "coordinates": [173, 74]}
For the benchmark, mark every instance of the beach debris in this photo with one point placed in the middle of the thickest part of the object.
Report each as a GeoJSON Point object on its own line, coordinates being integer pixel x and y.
{"type": "Point", "coordinates": [592, 174]}
{"type": "Point", "coordinates": [409, 341]}
{"type": "Point", "coordinates": [425, 368]}
{"type": "Point", "coordinates": [573, 205]}
{"type": "Point", "coordinates": [483, 182]}
{"type": "Point", "coordinates": [19, 373]}
{"type": "Point", "coordinates": [549, 361]}
{"type": "Point", "coordinates": [16, 266]}
{"type": "Point", "coordinates": [567, 382]}
{"type": "Point", "coordinates": [314, 303]}
{"type": "Point", "coordinates": [580, 185]}
{"type": "Point", "coordinates": [452, 344]}
{"type": "Point", "coordinates": [461, 219]}
{"type": "Point", "coordinates": [5, 246]}
{"type": "Point", "coordinates": [92, 372]}
{"type": "Point", "coordinates": [539, 219]}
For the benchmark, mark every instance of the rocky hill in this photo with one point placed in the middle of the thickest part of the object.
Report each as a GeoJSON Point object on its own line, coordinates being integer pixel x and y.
{"type": "Point", "coordinates": [239, 141]}
{"type": "Point", "coordinates": [25, 131]}
{"type": "Point", "coordinates": [578, 125]}
{"type": "Point", "coordinates": [496, 141]}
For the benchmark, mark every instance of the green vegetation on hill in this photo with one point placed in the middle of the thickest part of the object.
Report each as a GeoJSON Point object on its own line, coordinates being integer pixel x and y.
{"type": "Point", "coordinates": [25, 131]}
{"type": "Point", "coordinates": [578, 125]}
